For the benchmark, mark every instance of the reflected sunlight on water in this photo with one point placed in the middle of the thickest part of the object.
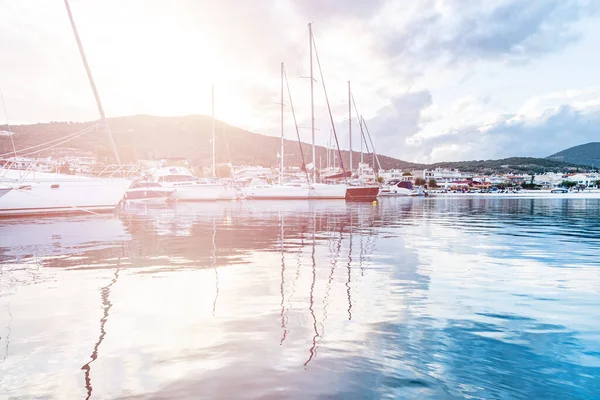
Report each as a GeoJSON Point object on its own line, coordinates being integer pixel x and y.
{"type": "Point", "coordinates": [409, 298]}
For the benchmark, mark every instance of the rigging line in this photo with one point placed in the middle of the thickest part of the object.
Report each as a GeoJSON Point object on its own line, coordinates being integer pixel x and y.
{"type": "Point", "coordinates": [360, 124]}
{"type": "Point", "coordinates": [12, 140]}
{"type": "Point", "coordinates": [296, 124]}
{"type": "Point", "coordinates": [328, 107]}
{"type": "Point", "coordinates": [372, 145]}
{"type": "Point", "coordinates": [64, 139]}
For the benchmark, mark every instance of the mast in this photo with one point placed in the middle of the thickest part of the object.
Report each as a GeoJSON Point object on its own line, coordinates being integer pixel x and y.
{"type": "Point", "coordinates": [92, 84]}
{"type": "Point", "coordinates": [281, 158]}
{"type": "Point", "coordinates": [350, 124]}
{"type": "Point", "coordinates": [361, 141]}
{"type": "Point", "coordinates": [312, 104]}
{"type": "Point", "coordinates": [214, 169]}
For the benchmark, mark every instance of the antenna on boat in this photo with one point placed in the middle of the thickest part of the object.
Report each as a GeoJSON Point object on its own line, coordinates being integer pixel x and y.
{"type": "Point", "coordinates": [92, 84]}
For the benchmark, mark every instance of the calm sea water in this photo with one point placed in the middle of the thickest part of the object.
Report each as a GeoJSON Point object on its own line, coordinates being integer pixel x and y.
{"type": "Point", "coordinates": [409, 298]}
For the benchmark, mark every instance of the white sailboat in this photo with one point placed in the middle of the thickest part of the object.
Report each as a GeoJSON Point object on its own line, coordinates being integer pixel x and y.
{"type": "Point", "coordinates": [261, 190]}
{"type": "Point", "coordinates": [28, 192]}
{"type": "Point", "coordinates": [339, 190]}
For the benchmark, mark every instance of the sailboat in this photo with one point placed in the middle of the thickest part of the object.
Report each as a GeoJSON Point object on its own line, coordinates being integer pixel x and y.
{"type": "Point", "coordinates": [261, 190]}
{"type": "Point", "coordinates": [24, 192]}
{"type": "Point", "coordinates": [336, 190]}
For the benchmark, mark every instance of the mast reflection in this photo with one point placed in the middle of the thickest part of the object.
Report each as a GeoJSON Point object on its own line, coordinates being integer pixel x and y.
{"type": "Point", "coordinates": [8, 332]}
{"type": "Point", "coordinates": [106, 305]}
{"type": "Point", "coordinates": [348, 267]}
{"type": "Point", "coordinates": [283, 315]}
{"type": "Point", "coordinates": [214, 265]}
{"type": "Point", "coordinates": [313, 349]}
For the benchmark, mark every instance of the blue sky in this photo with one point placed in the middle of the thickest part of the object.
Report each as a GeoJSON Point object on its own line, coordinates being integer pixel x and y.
{"type": "Point", "coordinates": [435, 79]}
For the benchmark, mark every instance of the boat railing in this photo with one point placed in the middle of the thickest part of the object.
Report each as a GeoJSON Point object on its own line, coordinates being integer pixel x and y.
{"type": "Point", "coordinates": [30, 167]}
{"type": "Point", "coordinates": [120, 171]}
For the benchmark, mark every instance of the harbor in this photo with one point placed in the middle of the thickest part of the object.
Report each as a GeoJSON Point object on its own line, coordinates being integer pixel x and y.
{"type": "Point", "coordinates": [295, 200]}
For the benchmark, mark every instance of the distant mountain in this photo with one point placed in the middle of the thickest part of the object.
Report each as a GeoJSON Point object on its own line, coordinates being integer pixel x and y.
{"type": "Point", "coordinates": [147, 137]}
{"type": "Point", "coordinates": [586, 154]}
{"type": "Point", "coordinates": [526, 165]}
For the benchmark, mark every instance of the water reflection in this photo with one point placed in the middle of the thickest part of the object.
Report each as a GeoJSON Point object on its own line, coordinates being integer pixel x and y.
{"type": "Point", "coordinates": [106, 306]}
{"type": "Point", "coordinates": [411, 298]}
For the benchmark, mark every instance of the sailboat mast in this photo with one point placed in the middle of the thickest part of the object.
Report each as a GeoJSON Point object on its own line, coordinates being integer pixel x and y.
{"type": "Point", "coordinates": [214, 169]}
{"type": "Point", "coordinates": [350, 124]}
{"type": "Point", "coordinates": [92, 84]}
{"type": "Point", "coordinates": [312, 104]}
{"type": "Point", "coordinates": [281, 159]}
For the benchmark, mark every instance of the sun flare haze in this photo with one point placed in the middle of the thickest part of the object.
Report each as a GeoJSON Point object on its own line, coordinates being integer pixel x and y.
{"type": "Point", "coordinates": [434, 80]}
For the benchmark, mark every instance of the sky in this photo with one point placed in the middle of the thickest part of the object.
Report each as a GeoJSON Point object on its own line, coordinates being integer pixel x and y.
{"type": "Point", "coordinates": [435, 80]}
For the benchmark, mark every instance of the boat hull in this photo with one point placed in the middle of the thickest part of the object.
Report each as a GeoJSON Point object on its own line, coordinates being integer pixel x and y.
{"type": "Point", "coordinates": [61, 196]}
{"type": "Point", "coordinates": [203, 192]}
{"type": "Point", "coordinates": [277, 193]}
{"type": "Point", "coordinates": [362, 193]}
{"type": "Point", "coordinates": [148, 195]}
{"type": "Point", "coordinates": [325, 191]}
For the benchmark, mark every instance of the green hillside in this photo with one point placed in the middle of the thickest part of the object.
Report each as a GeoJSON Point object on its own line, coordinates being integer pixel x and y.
{"type": "Point", "coordinates": [586, 154]}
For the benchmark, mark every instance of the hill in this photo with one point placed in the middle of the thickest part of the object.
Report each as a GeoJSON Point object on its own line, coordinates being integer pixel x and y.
{"type": "Point", "coordinates": [586, 154]}
{"type": "Point", "coordinates": [147, 137]}
{"type": "Point", "coordinates": [526, 165]}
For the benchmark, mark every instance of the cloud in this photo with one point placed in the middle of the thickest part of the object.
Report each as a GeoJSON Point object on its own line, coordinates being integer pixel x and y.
{"type": "Point", "coordinates": [458, 31]}
{"type": "Point", "coordinates": [321, 9]}
{"type": "Point", "coordinates": [400, 120]}
{"type": "Point", "coordinates": [514, 135]}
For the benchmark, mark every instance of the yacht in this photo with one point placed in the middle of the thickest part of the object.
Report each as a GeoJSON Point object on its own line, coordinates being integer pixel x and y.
{"type": "Point", "coordinates": [187, 187]}
{"type": "Point", "coordinates": [148, 192]}
{"type": "Point", "coordinates": [24, 193]}
{"type": "Point", "coordinates": [398, 187]}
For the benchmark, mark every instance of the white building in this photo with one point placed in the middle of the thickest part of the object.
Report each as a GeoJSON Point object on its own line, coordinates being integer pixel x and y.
{"type": "Point", "coordinates": [390, 174]}
{"type": "Point", "coordinates": [584, 179]}
{"type": "Point", "coordinates": [442, 175]}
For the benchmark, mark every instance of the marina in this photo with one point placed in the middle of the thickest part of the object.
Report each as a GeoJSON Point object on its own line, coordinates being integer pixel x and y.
{"type": "Point", "coordinates": [295, 200]}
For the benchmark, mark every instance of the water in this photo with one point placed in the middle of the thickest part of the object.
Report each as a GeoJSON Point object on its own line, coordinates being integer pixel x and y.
{"type": "Point", "coordinates": [410, 298]}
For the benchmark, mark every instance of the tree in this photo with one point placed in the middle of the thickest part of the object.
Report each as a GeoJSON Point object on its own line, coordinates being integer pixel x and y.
{"type": "Point", "coordinates": [568, 184]}
{"type": "Point", "coordinates": [420, 181]}
{"type": "Point", "coordinates": [223, 171]}
{"type": "Point", "coordinates": [596, 183]}
{"type": "Point", "coordinates": [432, 183]}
